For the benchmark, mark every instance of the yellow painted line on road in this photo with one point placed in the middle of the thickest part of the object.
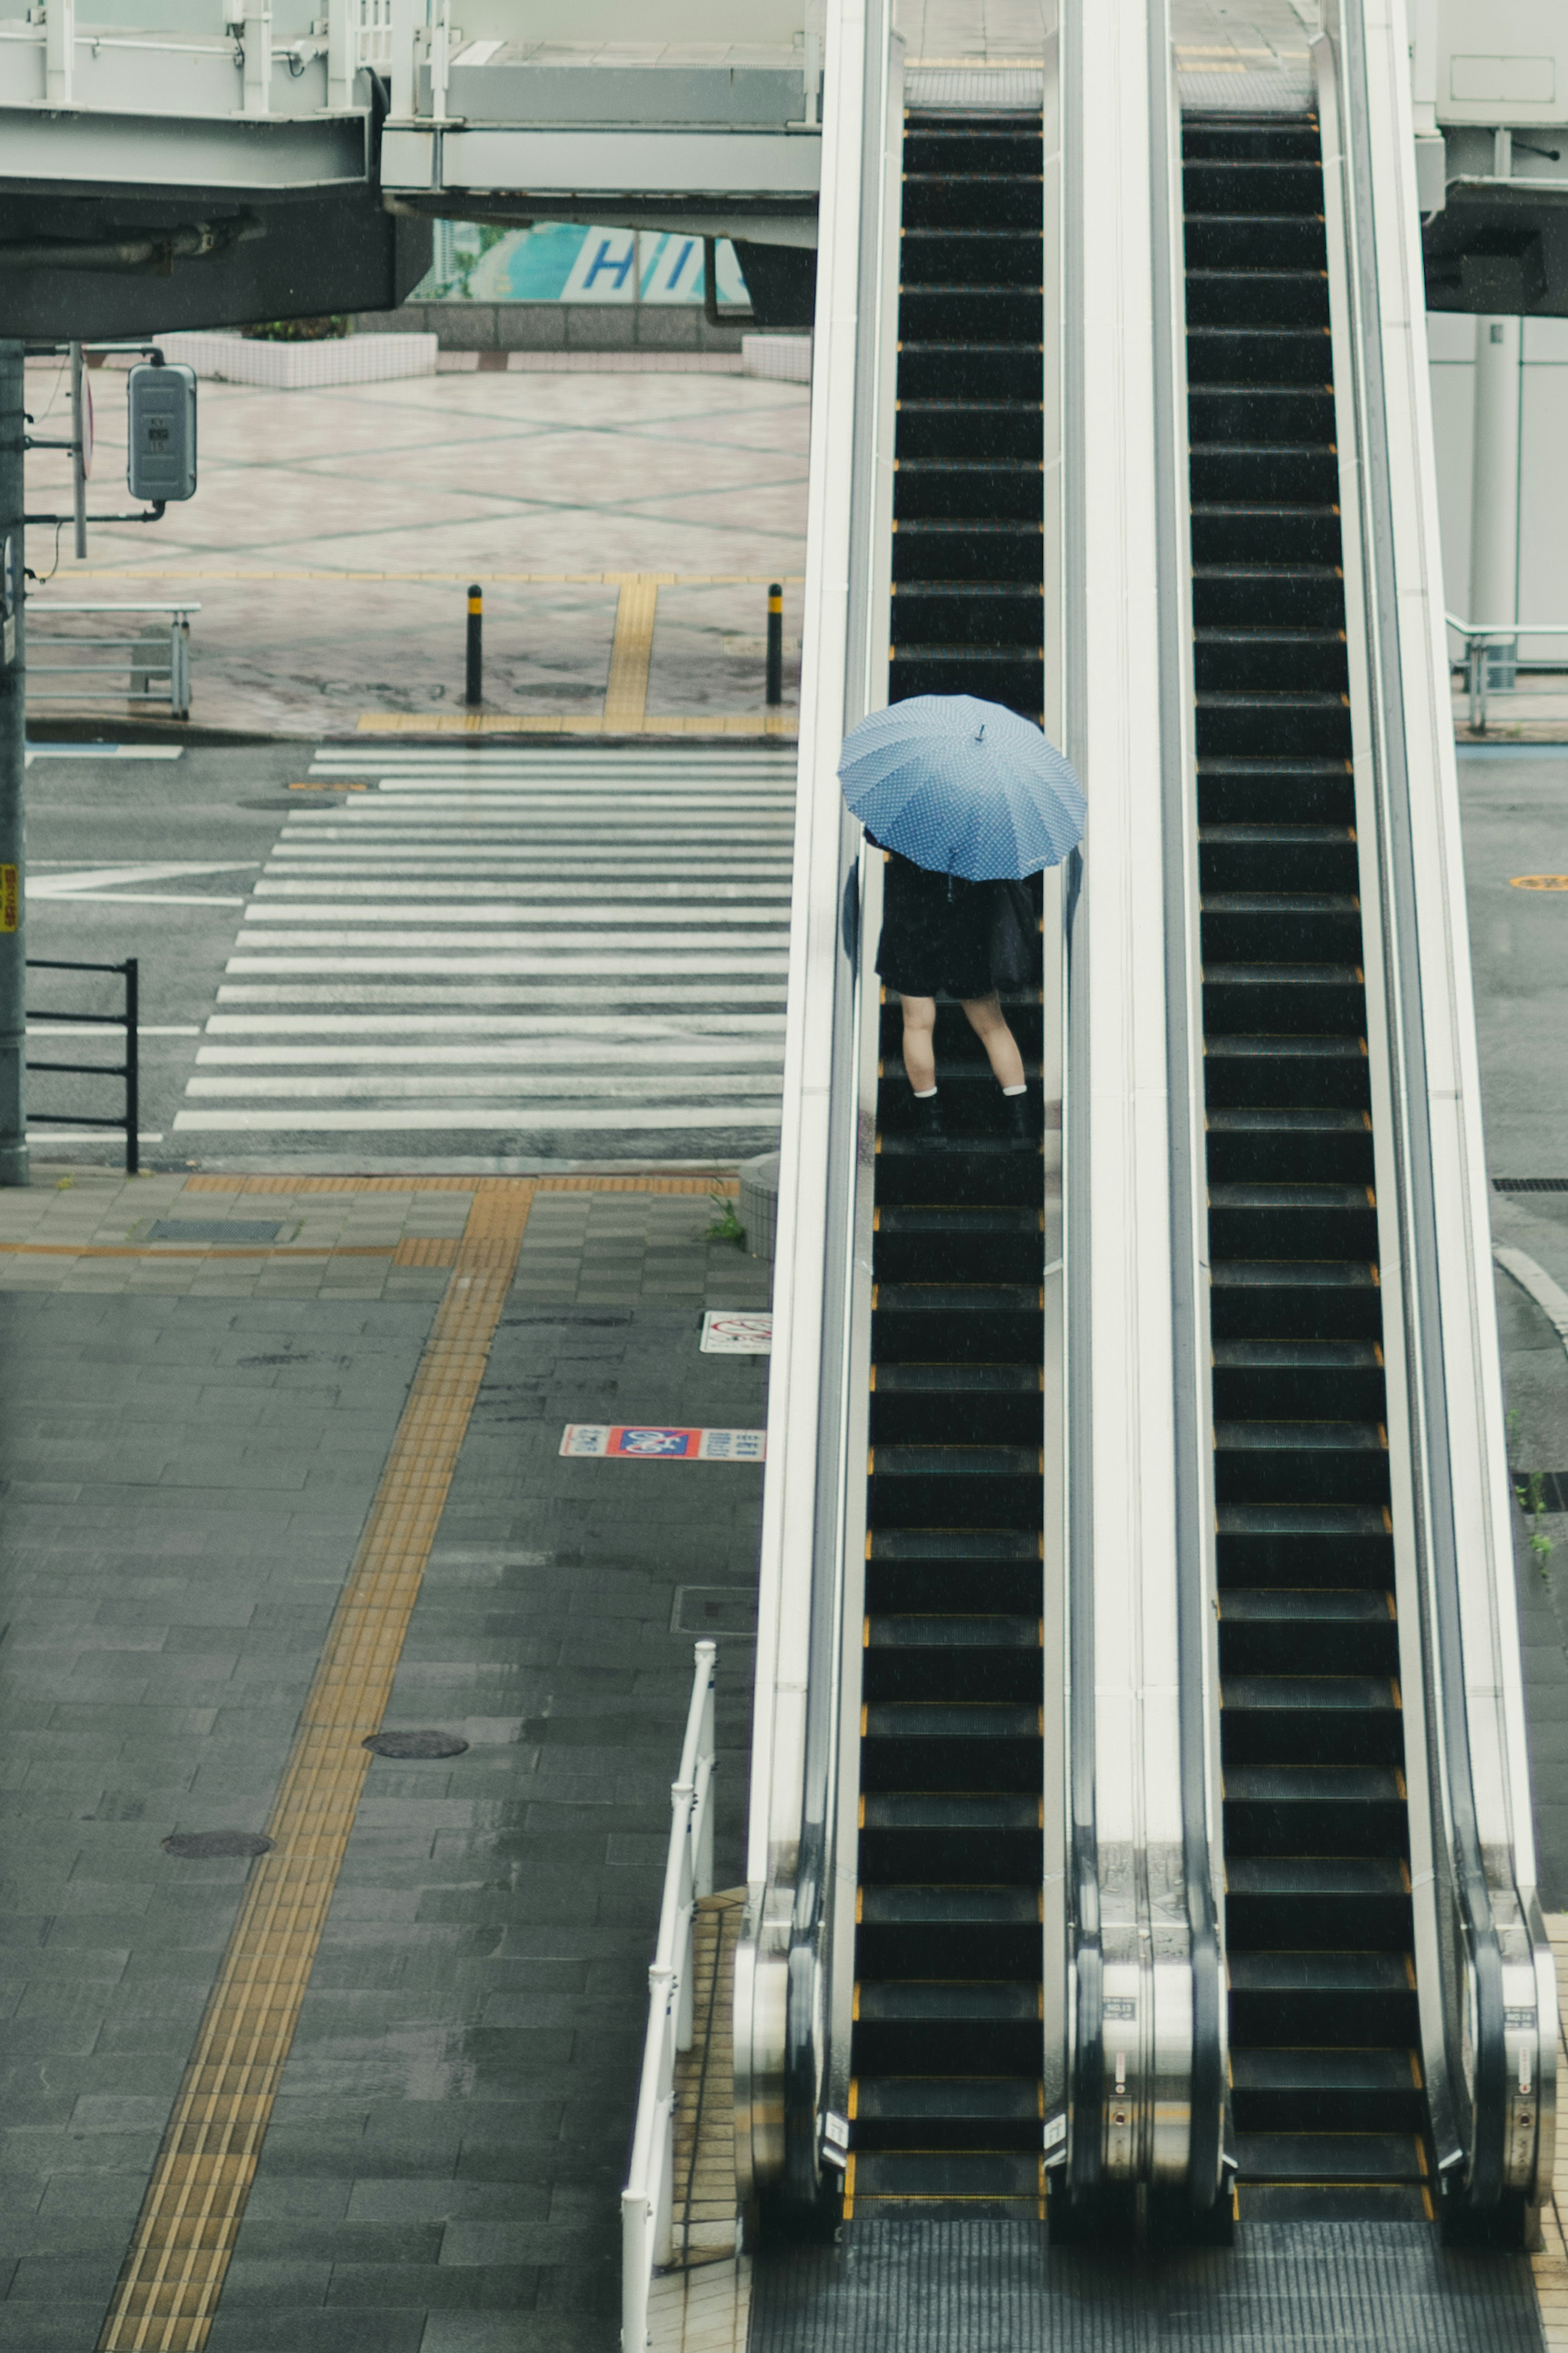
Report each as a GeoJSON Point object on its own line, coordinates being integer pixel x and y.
{"type": "Point", "coordinates": [174, 2273]}
{"type": "Point", "coordinates": [1538, 883]}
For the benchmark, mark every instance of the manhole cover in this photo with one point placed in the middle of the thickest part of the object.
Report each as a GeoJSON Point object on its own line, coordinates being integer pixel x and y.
{"type": "Point", "coordinates": [416, 1744]}
{"type": "Point", "coordinates": [204, 1846]}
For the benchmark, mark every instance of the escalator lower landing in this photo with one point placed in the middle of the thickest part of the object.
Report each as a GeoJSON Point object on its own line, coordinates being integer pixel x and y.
{"type": "Point", "coordinates": [1327, 2094]}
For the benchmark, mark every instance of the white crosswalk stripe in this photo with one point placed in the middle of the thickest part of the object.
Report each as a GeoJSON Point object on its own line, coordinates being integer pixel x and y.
{"type": "Point", "coordinates": [487, 942]}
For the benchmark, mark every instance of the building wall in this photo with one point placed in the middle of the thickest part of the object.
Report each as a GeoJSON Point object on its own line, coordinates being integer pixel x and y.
{"type": "Point", "coordinates": [1542, 467]}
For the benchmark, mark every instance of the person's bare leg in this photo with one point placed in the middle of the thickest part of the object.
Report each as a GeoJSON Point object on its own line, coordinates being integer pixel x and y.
{"type": "Point", "coordinates": [919, 1043]}
{"type": "Point", "coordinates": [985, 1017]}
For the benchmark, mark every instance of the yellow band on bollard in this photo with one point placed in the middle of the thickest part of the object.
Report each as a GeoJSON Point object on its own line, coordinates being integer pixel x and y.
{"type": "Point", "coordinates": [475, 604]}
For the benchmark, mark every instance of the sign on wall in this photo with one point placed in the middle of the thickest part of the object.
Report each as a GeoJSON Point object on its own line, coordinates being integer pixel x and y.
{"type": "Point", "coordinates": [555, 261]}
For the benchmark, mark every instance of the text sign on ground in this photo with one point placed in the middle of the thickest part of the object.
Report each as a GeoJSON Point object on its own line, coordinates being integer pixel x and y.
{"type": "Point", "coordinates": [661, 1443]}
{"type": "Point", "coordinates": [725, 1333]}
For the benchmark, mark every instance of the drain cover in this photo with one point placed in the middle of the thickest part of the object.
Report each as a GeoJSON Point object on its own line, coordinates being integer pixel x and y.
{"type": "Point", "coordinates": [204, 1846]}
{"type": "Point", "coordinates": [416, 1744]}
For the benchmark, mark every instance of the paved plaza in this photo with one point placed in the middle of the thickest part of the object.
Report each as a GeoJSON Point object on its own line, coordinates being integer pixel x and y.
{"type": "Point", "coordinates": [333, 535]}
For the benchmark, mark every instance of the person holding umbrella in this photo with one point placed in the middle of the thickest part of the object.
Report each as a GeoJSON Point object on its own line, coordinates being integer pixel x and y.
{"type": "Point", "coordinates": [966, 797]}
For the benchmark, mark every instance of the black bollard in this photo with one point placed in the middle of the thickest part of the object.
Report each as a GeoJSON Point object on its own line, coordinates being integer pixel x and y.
{"type": "Point", "coordinates": [775, 641]}
{"type": "Point", "coordinates": [474, 693]}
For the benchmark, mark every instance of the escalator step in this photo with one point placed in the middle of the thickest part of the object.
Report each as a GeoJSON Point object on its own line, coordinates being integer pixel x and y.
{"type": "Point", "coordinates": [1298, 1380]}
{"type": "Point", "coordinates": [1283, 998]}
{"type": "Point", "coordinates": [1325, 1809]}
{"type": "Point", "coordinates": [939, 2002]}
{"type": "Point", "coordinates": [955, 1632]}
{"type": "Point", "coordinates": [1330, 2156]}
{"type": "Point", "coordinates": [1283, 1298]}
{"type": "Point", "coordinates": [948, 2178]}
{"type": "Point", "coordinates": [1320, 2202]}
{"type": "Point", "coordinates": [929, 2112]}
{"type": "Point", "coordinates": [939, 1720]}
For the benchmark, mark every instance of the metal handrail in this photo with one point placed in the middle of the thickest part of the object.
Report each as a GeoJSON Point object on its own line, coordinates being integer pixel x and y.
{"type": "Point", "coordinates": [140, 662]}
{"type": "Point", "coordinates": [648, 2198]}
{"type": "Point", "coordinates": [129, 1070]}
{"type": "Point", "coordinates": [1480, 635]}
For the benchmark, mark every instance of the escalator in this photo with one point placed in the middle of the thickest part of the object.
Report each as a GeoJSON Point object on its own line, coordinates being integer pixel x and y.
{"type": "Point", "coordinates": [1327, 2088]}
{"type": "Point", "coordinates": [946, 2098]}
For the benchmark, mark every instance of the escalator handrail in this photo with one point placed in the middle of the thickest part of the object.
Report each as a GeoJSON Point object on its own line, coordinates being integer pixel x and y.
{"type": "Point", "coordinates": [809, 2019]}
{"type": "Point", "coordinates": [1189, 1319]}
{"type": "Point", "coordinates": [1437, 1540]}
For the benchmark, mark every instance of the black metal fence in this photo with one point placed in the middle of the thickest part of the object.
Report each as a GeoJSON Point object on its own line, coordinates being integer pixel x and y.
{"type": "Point", "coordinates": [131, 1119]}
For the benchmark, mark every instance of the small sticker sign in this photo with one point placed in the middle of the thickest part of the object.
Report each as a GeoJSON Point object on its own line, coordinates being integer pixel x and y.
{"type": "Point", "coordinates": [10, 899]}
{"type": "Point", "coordinates": [725, 1333]}
{"type": "Point", "coordinates": [662, 1442]}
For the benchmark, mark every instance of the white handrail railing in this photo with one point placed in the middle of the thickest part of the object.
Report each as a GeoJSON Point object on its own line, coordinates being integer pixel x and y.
{"type": "Point", "coordinates": [647, 2200]}
{"type": "Point", "coordinates": [1480, 638]}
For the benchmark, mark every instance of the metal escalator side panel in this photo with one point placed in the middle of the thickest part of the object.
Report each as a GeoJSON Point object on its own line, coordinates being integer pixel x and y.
{"type": "Point", "coordinates": [1488, 1987]}
{"type": "Point", "coordinates": [795, 1725]}
{"type": "Point", "coordinates": [1055, 1971]}
{"type": "Point", "coordinates": [1128, 1826]}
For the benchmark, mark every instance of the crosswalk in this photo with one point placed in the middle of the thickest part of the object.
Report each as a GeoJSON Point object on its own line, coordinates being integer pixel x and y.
{"type": "Point", "coordinates": [541, 953]}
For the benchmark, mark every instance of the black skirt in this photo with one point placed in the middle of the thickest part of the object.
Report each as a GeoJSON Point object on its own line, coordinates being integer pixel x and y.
{"type": "Point", "coordinates": [936, 932]}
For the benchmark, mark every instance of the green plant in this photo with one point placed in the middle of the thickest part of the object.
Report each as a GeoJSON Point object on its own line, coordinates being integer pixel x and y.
{"type": "Point", "coordinates": [726, 1225]}
{"type": "Point", "coordinates": [298, 330]}
{"type": "Point", "coordinates": [1531, 1497]}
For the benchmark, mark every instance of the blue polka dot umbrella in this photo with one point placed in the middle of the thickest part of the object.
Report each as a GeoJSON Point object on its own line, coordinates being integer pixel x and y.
{"type": "Point", "coordinates": [961, 786]}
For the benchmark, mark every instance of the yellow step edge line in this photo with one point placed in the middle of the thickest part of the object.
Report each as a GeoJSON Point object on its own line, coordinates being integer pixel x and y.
{"type": "Point", "coordinates": [185, 2236]}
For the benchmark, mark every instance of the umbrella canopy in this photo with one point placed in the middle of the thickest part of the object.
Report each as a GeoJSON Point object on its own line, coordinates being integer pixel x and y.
{"type": "Point", "coordinates": [961, 786]}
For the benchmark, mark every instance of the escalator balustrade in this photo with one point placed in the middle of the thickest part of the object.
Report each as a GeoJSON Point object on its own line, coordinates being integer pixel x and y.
{"type": "Point", "coordinates": [1328, 2103]}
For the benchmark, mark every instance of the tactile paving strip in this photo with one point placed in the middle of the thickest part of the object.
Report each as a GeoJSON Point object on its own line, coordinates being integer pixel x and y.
{"type": "Point", "coordinates": [185, 2236]}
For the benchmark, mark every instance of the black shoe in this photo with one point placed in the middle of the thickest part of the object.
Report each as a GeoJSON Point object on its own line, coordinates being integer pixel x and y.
{"type": "Point", "coordinates": [928, 1126]}
{"type": "Point", "coordinates": [1021, 1130]}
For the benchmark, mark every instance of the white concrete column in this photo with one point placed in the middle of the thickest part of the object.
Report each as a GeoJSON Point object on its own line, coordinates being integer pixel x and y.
{"type": "Point", "coordinates": [1494, 494]}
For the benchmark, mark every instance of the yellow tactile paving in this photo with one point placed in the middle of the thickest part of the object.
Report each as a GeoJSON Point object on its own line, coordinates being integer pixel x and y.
{"type": "Point", "coordinates": [1551, 2266]}
{"type": "Point", "coordinates": [185, 2236]}
{"type": "Point", "coordinates": [626, 696]}
{"type": "Point", "coordinates": [474, 1185]}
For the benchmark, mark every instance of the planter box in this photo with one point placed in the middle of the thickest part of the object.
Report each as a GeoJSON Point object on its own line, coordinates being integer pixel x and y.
{"type": "Point", "coordinates": [300, 367]}
{"type": "Point", "coordinates": [786, 358]}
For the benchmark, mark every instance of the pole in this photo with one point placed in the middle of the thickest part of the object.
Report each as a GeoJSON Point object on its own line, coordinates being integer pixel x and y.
{"type": "Point", "coordinates": [1494, 491]}
{"type": "Point", "coordinates": [775, 641]}
{"type": "Point", "coordinates": [13, 764]}
{"type": "Point", "coordinates": [474, 693]}
{"type": "Point", "coordinates": [133, 1068]}
{"type": "Point", "coordinates": [78, 450]}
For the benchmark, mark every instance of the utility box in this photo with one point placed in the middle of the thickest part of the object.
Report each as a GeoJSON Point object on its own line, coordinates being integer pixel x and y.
{"type": "Point", "coordinates": [162, 436]}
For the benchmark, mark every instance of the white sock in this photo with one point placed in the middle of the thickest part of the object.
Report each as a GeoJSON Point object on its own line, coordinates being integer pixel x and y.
{"type": "Point", "coordinates": [924, 1094]}
{"type": "Point", "coordinates": [1020, 1090]}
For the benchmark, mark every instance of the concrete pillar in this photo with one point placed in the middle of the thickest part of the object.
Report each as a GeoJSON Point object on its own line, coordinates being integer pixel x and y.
{"type": "Point", "coordinates": [13, 765]}
{"type": "Point", "coordinates": [1494, 497]}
